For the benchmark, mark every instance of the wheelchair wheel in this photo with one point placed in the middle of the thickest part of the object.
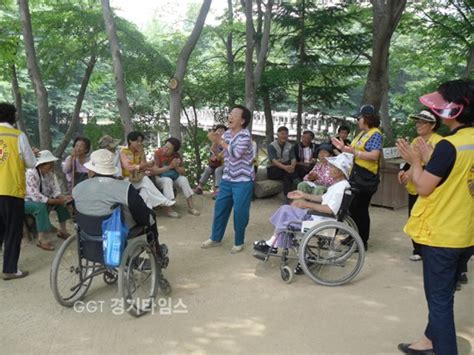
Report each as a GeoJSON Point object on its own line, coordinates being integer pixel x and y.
{"type": "Point", "coordinates": [331, 253]}
{"type": "Point", "coordinates": [351, 223]}
{"type": "Point", "coordinates": [286, 274]}
{"type": "Point", "coordinates": [110, 277]}
{"type": "Point", "coordinates": [138, 278]}
{"type": "Point", "coordinates": [69, 276]}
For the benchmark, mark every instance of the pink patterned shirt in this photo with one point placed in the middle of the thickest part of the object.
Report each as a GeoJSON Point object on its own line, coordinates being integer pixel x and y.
{"type": "Point", "coordinates": [323, 172]}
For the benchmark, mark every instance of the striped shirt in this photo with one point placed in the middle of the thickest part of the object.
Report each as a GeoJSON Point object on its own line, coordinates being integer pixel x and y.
{"type": "Point", "coordinates": [238, 157]}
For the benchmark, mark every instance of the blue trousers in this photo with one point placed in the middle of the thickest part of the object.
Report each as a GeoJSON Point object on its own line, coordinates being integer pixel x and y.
{"type": "Point", "coordinates": [237, 195]}
{"type": "Point", "coordinates": [441, 267]}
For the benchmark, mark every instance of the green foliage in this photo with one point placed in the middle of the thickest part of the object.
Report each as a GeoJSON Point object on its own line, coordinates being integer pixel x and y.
{"type": "Point", "coordinates": [94, 132]}
{"type": "Point", "coordinates": [430, 46]}
{"type": "Point", "coordinates": [189, 157]}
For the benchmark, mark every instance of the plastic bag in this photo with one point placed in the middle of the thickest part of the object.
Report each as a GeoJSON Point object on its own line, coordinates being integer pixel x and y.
{"type": "Point", "coordinates": [114, 238]}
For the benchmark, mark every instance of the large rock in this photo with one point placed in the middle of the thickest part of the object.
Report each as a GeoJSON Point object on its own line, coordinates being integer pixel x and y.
{"type": "Point", "coordinates": [261, 174]}
{"type": "Point", "coordinates": [265, 188]}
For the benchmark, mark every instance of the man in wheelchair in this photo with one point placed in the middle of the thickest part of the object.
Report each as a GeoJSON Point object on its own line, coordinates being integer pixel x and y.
{"type": "Point", "coordinates": [310, 209]}
{"type": "Point", "coordinates": [98, 195]}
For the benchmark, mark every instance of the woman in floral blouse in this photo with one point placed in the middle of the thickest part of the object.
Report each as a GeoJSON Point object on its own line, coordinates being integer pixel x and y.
{"type": "Point", "coordinates": [317, 181]}
{"type": "Point", "coordinates": [42, 196]}
{"type": "Point", "coordinates": [73, 166]}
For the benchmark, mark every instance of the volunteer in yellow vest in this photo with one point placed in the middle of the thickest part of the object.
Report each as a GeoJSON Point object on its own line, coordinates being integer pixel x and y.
{"type": "Point", "coordinates": [426, 126]}
{"type": "Point", "coordinates": [366, 147]}
{"type": "Point", "coordinates": [442, 217]}
{"type": "Point", "coordinates": [15, 156]}
{"type": "Point", "coordinates": [136, 169]}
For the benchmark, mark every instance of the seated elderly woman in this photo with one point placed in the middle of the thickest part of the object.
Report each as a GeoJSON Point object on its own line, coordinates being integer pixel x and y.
{"type": "Point", "coordinates": [317, 181]}
{"type": "Point", "coordinates": [329, 203]}
{"type": "Point", "coordinates": [169, 170]}
{"type": "Point", "coordinates": [73, 166]}
{"type": "Point", "coordinates": [136, 169]}
{"type": "Point", "coordinates": [43, 195]}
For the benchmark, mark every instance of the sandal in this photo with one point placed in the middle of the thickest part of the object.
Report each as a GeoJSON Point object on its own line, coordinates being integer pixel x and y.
{"type": "Point", "coordinates": [44, 246]}
{"type": "Point", "coordinates": [198, 190]}
{"type": "Point", "coordinates": [64, 235]}
{"type": "Point", "coordinates": [18, 275]}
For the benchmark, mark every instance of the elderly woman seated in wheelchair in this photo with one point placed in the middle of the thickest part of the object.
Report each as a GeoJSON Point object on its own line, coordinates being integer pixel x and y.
{"type": "Point", "coordinates": [325, 239]}
{"type": "Point", "coordinates": [81, 257]}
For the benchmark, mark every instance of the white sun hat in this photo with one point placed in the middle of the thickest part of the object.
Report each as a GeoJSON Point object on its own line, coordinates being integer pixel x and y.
{"type": "Point", "coordinates": [102, 162]}
{"type": "Point", "coordinates": [343, 162]}
{"type": "Point", "coordinates": [45, 156]}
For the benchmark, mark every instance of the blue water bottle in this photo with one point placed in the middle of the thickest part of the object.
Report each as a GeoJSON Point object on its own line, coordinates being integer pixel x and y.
{"type": "Point", "coordinates": [112, 244]}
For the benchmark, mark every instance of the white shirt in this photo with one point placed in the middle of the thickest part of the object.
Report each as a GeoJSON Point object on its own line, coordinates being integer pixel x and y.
{"type": "Point", "coordinates": [334, 195]}
{"type": "Point", "coordinates": [26, 154]}
{"type": "Point", "coordinates": [333, 199]}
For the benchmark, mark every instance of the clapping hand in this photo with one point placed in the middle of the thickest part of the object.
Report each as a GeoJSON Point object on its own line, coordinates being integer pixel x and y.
{"type": "Point", "coordinates": [403, 177]}
{"type": "Point", "coordinates": [214, 137]}
{"type": "Point", "coordinates": [425, 149]}
{"type": "Point", "coordinates": [339, 144]}
{"type": "Point", "coordinates": [410, 154]}
{"type": "Point", "coordinates": [296, 194]}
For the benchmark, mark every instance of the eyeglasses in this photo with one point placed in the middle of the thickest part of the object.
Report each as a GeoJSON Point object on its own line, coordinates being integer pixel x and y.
{"type": "Point", "coordinates": [421, 122]}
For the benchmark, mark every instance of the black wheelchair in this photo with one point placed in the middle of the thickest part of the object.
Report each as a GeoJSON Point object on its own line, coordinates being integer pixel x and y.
{"type": "Point", "coordinates": [330, 252]}
{"type": "Point", "coordinates": [80, 259]}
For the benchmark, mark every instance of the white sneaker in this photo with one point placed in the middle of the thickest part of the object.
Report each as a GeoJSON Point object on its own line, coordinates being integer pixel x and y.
{"type": "Point", "coordinates": [415, 257]}
{"type": "Point", "coordinates": [236, 249]}
{"type": "Point", "coordinates": [168, 203]}
{"type": "Point", "coordinates": [172, 214]}
{"type": "Point", "coordinates": [210, 243]}
{"type": "Point", "coordinates": [193, 211]}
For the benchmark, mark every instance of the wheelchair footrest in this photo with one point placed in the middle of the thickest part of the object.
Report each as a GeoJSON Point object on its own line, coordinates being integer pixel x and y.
{"type": "Point", "coordinates": [260, 256]}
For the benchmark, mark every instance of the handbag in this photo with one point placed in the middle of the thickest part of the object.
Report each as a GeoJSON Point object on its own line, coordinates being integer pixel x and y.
{"type": "Point", "coordinates": [364, 179]}
{"type": "Point", "coordinates": [172, 174]}
{"type": "Point", "coordinates": [114, 238]}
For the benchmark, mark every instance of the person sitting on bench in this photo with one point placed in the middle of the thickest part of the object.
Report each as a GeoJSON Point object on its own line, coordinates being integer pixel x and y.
{"type": "Point", "coordinates": [43, 195]}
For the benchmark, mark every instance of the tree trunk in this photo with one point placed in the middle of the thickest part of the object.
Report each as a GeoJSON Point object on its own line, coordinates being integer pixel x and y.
{"type": "Point", "coordinates": [18, 100]}
{"type": "Point", "coordinates": [192, 130]}
{"type": "Point", "coordinates": [253, 75]}
{"type": "Point", "coordinates": [386, 122]}
{"type": "Point", "coordinates": [77, 108]}
{"type": "Point", "coordinates": [299, 113]}
{"type": "Point", "coordinates": [176, 83]}
{"type": "Point", "coordinates": [267, 109]}
{"type": "Point", "coordinates": [230, 56]}
{"type": "Point", "coordinates": [386, 16]}
{"type": "Point", "coordinates": [35, 73]}
{"type": "Point", "coordinates": [122, 101]}
{"type": "Point", "coordinates": [469, 65]}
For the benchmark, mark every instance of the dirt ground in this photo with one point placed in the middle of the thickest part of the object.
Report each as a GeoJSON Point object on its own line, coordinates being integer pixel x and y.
{"type": "Point", "coordinates": [235, 303]}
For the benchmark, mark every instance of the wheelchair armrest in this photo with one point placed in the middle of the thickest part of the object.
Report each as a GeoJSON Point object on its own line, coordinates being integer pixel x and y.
{"type": "Point", "coordinates": [316, 213]}
{"type": "Point", "coordinates": [294, 225]}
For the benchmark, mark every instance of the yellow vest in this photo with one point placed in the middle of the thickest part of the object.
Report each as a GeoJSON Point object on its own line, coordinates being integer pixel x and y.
{"type": "Point", "coordinates": [12, 167]}
{"type": "Point", "coordinates": [445, 217]}
{"type": "Point", "coordinates": [134, 159]}
{"type": "Point", "coordinates": [359, 146]}
{"type": "Point", "coordinates": [434, 139]}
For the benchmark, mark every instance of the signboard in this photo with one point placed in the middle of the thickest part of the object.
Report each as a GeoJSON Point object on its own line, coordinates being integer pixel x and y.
{"type": "Point", "coordinates": [390, 153]}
